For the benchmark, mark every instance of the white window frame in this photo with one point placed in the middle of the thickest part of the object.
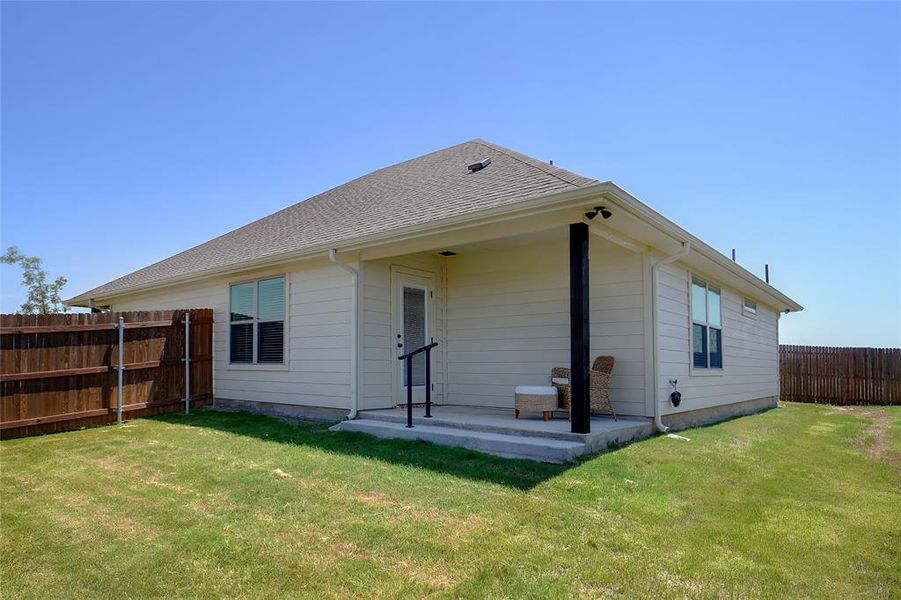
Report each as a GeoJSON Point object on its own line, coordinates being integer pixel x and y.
{"type": "Point", "coordinates": [747, 311]}
{"type": "Point", "coordinates": [257, 366]}
{"type": "Point", "coordinates": [707, 370]}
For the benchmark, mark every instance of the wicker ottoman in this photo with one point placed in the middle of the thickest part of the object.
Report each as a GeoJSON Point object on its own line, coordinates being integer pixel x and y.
{"type": "Point", "coordinates": [538, 398]}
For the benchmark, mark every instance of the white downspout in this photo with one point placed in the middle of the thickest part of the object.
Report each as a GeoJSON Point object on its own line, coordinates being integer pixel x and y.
{"type": "Point", "coordinates": [686, 248]}
{"type": "Point", "coordinates": [354, 398]}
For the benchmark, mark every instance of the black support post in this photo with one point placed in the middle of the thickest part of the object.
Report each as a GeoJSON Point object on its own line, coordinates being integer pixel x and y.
{"type": "Point", "coordinates": [580, 339]}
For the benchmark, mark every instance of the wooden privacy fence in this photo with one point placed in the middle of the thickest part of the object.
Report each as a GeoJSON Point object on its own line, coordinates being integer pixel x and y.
{"type": "Point", "coordinates": [840, 375]}
{"type": "Point", "coordinates": [61, 372]}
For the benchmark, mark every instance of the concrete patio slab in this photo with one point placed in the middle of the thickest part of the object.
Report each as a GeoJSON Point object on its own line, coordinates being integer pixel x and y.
{"type": "Point", "coordinates": [496, 431]}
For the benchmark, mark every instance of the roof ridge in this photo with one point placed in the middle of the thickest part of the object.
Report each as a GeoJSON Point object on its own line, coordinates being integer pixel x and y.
{"type": "Point", "coordinates": [531, 162]}
{"type": "Point", "coordinates": [313, 197]}
{"type": "Point", "coordinates": [374, 171]}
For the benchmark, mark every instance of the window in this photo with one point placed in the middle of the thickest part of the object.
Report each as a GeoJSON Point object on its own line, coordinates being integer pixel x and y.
{"type": "Point", "coordinates": [706, 326]}
{"type": "Point", "coordinates": [257, 322]}
{"type": "Point", "coordinates": [749, 307]}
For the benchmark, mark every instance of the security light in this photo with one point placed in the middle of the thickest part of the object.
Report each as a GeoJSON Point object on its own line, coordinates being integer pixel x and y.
{"type": "Point", "coordinates": [598, 210]}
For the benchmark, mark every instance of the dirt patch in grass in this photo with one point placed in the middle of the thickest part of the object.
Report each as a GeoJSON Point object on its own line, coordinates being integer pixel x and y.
{"type": "Point", "coordinates": [875, 441]}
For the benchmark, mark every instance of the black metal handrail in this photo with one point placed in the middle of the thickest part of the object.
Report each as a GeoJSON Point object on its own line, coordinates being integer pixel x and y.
{"type": "Point", "coordinates": [408, 367]}
{"type": "Point", "coordinates": [417, 351]}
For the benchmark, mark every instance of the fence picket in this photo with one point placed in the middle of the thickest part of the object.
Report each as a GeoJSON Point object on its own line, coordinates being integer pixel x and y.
{"type": "Point", "coordinates": [56, 370]}
{"type": "Point", "coordinates": [843, 376]}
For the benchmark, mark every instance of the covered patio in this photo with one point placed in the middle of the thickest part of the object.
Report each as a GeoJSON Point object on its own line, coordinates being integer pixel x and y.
{"type": "Point", "coordinates": [504, 309]}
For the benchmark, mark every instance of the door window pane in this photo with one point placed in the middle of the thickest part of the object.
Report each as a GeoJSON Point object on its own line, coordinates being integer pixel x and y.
{"type": "Point", "coordinates": [242, 302]}
{"type": "Point", "coordinates": [241, 343]}
{"type": "Point", "coordinates": [713, 307]}
{"type": "Point", "coordinates": [699, 345]}
{"type": "Point", "coordinates": [414, 331]}
{"type": "Point", "coordinates": [271, 299]}
{"type": "Point", "coordinates": [698, 300]}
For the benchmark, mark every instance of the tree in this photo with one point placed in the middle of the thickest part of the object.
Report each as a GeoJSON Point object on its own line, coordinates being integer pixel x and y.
{"type": "Point", "coordinates": [43, 298]}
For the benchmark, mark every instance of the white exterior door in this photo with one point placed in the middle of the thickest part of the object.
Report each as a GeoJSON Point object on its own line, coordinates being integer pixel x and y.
{"type": "Point", "coordinates": [412, 324]}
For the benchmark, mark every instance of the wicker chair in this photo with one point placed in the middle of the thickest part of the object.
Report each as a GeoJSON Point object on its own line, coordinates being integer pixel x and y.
{"type": "Point", "coordinates": [598, 386]}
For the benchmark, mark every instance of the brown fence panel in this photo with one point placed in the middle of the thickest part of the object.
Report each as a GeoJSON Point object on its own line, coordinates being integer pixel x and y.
{"type": "Point", "coordinates": [58, 372]}
{"type": "Point", "coordinates": [841, 376]}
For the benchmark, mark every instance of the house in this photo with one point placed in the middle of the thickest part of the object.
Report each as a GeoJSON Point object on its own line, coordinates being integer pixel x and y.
{"type": "Point", "coordinates": [512, 265]}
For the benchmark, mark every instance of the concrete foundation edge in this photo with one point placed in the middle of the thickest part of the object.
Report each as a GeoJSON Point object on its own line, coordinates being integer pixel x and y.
{"type": "Point", "coordinates": [287, 411]}
{"type": "Point", "coordinates": [714, 414]}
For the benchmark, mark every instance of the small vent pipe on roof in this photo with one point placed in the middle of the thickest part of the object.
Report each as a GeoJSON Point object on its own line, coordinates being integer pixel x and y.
{"type": "Point", "coordinates": [478, 166]}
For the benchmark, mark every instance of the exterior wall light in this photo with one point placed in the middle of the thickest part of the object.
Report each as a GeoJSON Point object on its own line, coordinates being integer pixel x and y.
{"type": "Point", "coordinates": [598, 210]}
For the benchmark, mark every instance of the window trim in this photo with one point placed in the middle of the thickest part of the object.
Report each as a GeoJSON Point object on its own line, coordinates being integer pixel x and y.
{"type": "Point", "coordinates": [751, 314]}
{"type": "Point", "coordinates": [706, 371]}
{"type": "Point", "coordinates": [257, 366]}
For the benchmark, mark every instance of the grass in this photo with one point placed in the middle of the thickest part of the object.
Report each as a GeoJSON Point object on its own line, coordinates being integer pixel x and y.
{"type": "Point", "coordinates": [801, 501]}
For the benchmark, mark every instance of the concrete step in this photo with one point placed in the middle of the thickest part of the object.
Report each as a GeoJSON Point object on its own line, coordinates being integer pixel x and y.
{"type": "Point", "coordinates": [604, 431]}
{"type": "Point", "coordinates": [500, 444]}
{"type": "Point", "coordinates": [436, 420]}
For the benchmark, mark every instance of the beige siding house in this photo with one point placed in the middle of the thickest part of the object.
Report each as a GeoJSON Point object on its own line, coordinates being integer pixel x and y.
{"type": "Point", "coordinates": [471, 247]}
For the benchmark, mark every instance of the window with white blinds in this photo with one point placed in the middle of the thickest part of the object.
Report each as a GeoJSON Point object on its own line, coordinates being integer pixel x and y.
{"type": "Point", "coordinates": [257, 322]}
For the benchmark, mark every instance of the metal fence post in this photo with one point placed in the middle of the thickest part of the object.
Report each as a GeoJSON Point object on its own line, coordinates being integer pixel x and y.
{"type": "Point", "coordinates": [120, 369]}
{"type": "Point", "coordinates": [187, 362]}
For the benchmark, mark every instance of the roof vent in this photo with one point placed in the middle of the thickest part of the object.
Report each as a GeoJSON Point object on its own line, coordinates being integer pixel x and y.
{"type": "Point", "coordinates": [478, 166]}
{"type": "Point", "coordinates": [447, 253]}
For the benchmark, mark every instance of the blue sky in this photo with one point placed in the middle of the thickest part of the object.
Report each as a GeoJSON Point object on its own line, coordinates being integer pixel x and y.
{"type": "Point", "coordinates": [132, 131]}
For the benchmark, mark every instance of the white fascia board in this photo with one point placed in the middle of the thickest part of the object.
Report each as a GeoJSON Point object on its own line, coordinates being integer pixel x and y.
{"type": "Point", "coordinates": [571, 198]}
{"type": "Point", "coordinates": [765, 291]}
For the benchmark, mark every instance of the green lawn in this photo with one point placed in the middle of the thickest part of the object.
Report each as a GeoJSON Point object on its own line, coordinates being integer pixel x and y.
{"type": "Point", "coordinates": [802, 501]}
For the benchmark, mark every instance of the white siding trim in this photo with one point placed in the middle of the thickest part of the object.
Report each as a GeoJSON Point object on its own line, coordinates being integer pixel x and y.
{"type": "Point", "coordinates": [648, 293]}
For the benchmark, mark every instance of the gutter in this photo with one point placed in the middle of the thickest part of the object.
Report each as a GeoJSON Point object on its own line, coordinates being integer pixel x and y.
{"type": "Point", "coordinates": [354, 309]}
{"type": "Point", "coordinates": [686, 248]}
{"type": "Point", "coordinates": [605, 233]}
{"type": "Point", "coordinates": [623, 199]}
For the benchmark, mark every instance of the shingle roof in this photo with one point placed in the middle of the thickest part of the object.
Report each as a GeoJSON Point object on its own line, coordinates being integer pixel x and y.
{"type": "Point", "coordinates": [430, 187]}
